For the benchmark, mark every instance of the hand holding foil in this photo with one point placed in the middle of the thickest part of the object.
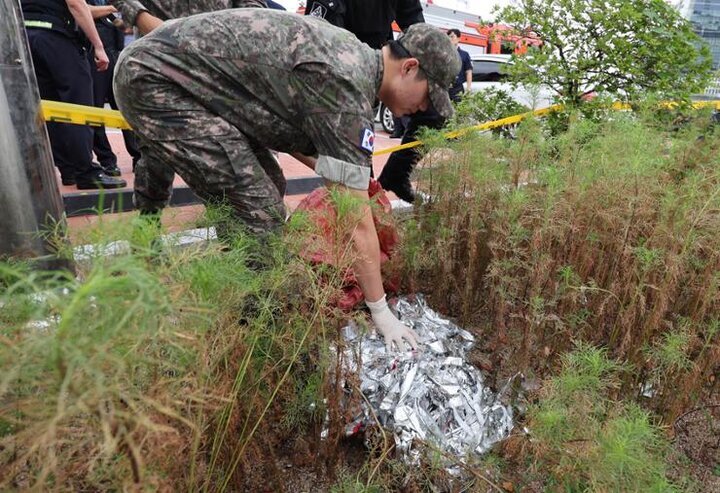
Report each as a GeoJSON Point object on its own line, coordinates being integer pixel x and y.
{"type": "Point", "coordinates": [392, 329]}
{"type": "Point", "coordinates": [436, 397]}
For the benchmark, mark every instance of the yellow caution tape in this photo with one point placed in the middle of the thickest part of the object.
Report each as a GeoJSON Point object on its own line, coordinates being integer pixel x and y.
{"type": "Point", "coordinates": [54, 111]}
{"type": "Point", "coordinates": [510, 120]}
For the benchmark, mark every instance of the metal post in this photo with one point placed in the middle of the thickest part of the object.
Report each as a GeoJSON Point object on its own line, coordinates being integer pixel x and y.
{"type": "Point", "coordinates": [29, 196]}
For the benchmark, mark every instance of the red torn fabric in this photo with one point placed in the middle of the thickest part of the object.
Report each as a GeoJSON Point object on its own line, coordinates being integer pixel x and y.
{"type": "Point", "coordinates": [322, 248]}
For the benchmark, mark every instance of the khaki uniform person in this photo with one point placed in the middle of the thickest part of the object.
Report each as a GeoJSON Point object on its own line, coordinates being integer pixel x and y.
{"type": "Point", "coordinates": [210, 94]}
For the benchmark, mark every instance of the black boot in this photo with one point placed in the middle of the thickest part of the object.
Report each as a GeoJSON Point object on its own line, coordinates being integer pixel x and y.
{"type": "Point", "coordinates": [111, 169]}
{"type": "Point", "coordinates": [99, 180]}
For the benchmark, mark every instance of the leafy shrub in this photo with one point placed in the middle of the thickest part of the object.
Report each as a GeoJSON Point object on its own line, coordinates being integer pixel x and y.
{"type": "Point", "coordinates": [486, 105]}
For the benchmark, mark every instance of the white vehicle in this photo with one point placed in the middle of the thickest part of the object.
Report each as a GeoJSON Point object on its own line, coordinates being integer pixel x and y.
{"type": "Point", "coordinates": [384, 117]}
{"type": "Point", "coordinates": [491, 71]}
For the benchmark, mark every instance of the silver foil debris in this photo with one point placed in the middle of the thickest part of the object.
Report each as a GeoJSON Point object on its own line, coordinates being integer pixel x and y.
{"type": "Point", "coordinates": [434, 395]}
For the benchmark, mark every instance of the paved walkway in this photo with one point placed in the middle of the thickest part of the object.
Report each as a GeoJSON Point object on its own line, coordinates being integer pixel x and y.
{"type": "Point", "coordinates": [177, 218]}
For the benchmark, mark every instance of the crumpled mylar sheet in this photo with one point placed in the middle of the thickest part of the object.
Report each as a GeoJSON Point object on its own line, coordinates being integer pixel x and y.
{"type": "Point", "coordinates": [434, 395]}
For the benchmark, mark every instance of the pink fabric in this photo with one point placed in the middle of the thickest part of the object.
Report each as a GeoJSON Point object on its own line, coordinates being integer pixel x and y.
{"type": "Point", "coordinates": [322, 249]}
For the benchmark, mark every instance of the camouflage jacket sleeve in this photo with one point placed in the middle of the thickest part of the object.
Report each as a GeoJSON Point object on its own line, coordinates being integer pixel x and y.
{"type": "Point", "coordinates": [337, 118]}
{"type": "Point", "coordinates": [168, 9]}
{"type": "Point", "coordinates": [129, 9]}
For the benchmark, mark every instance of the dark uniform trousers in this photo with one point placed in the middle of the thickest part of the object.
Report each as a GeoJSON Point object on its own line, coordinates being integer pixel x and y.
{"type": "Point", "coordinates": [112, 39]}
{"type": "Point", "coordinates": [395, 176]}
{"type": "Point", "coordinates": [63, 74]}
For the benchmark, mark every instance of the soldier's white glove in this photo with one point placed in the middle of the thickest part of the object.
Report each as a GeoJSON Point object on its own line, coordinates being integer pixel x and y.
{"type": "Point", "coordinates": [392, 329]}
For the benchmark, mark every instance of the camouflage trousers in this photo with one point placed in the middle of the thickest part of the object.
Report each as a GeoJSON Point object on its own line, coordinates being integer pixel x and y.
{"type": "Point", "coordinates": [216, 160]}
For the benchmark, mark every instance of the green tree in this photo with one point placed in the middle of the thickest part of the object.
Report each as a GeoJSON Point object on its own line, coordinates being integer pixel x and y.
{"type": "Point", "coordinates": [619, 47]}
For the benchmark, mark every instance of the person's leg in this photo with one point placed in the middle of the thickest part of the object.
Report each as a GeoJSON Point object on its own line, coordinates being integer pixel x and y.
{"type": "Point", "coordinates": [48, 91]}
{"type": "Point", "coordinates": [395, 175]}
{"type": "Point", "coordinates": [399, 129]}
{"type": "Point", "coordinates": [271, 166]}
{"type": "Point", "coordinates": [219, 169]}
{"type": "Point", "coordinates": [68, 66]}
{"type": "Point", "coordinates": [132, 146]}
{"type": "Point", "coordinates": [153, 180]}
{"type": "Point", "coordinates": [131, 142]}
{"type": "Point", "coordinates": [102, 81]}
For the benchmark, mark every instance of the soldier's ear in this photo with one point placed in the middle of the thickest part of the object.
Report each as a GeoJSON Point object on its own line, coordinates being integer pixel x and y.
{"type": "Point", "coordinates": [410, 65]}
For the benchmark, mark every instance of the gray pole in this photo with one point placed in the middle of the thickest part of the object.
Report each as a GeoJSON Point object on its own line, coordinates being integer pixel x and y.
{"type": "Point", "coordinates": [29, 195]}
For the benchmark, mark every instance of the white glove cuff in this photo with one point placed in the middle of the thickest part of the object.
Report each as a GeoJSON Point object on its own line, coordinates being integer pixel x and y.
{"type": "Point", "coordinates": [378, 306]}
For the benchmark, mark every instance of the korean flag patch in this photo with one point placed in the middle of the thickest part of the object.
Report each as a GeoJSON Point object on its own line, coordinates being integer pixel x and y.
{"type": "Point", "coordinates": [367, 140]}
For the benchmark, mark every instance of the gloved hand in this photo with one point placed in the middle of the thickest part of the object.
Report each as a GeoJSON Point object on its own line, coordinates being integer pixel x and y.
{"type": "Point", "coordinates": [392, 329]}
{"type": "Point", "coordinates": [129, 9]}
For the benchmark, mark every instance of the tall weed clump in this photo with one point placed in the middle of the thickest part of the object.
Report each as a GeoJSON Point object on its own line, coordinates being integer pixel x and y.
{"type": "Point", "coordinates": [166, 367]}
{"type": "Point", "coordinates": [585, 441]}
{"type": "Point", "coordinates": [606, 233]}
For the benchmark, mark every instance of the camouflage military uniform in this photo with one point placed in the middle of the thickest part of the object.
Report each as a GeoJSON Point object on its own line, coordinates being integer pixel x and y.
{"type": "Point", "coordinates": [209, 94]}
{"type": "Point", "coordinates": [173, 9]}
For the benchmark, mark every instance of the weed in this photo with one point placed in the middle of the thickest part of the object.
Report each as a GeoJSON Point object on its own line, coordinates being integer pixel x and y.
{"type": "Point", "coordinates": [590, 441]}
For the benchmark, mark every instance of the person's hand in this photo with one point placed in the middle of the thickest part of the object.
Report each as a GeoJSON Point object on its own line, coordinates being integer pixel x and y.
{"type": "Point", "coordinates": [392, 329]}
{"type": "Point", "coordinates": [101, 59]}
{"type": "Point", "coordinates": [129, 9]}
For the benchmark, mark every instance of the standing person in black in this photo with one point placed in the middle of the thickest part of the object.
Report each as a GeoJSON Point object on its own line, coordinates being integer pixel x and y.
{"type": "Point", "coordinates": [58, 33]}
{"type": "Point", "coordinates": [113, 40]}
{"type": "Point", "coordinates": [465, 75]}
{"type": "Point", "coordinates": [371, 21]}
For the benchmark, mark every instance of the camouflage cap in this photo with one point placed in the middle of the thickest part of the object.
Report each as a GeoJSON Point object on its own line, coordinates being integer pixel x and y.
{"type": "Point", "coordinates": [438, 59]}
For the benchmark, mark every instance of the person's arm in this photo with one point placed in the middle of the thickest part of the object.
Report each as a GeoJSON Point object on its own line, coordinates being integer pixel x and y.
{"type": "Point", "coordinates": [468, 68]}
{"type": "Point", "coordinates": [367, 247]}
{"type": "Point", "coordinates": [100, 11]}
{"type": "Point", "coordinates": [81, 13]}
{"type": "Point", "coordinates": [135, 14]}
{"type": "Point", "coordinates": [409, 12]}
{"type": "Point", "coordinates": [367, 272]}
{"type": "Point", "coordinates": [146, 22]}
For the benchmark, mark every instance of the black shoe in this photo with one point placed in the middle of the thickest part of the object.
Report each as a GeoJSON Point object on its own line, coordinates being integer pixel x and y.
{"type": "Point", "coordinates": [100, 180]}
{"type": "Point", "coordinates": [111, 170]}
{"type": "Point", "coordinates": [68, 180]}
{"type": "Point", "coordinates": [396, 136]}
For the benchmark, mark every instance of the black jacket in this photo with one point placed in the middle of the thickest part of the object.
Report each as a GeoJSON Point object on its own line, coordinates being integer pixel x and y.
{"type": "Point", "coordinates": [53, 13]}
{"type": "Point", "coordinates": [370, 20]}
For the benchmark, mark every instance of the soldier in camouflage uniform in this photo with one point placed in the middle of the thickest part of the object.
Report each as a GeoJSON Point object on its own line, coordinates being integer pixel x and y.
{"type": "Point", "coordinates": [210, 94]}
{"type": "Point", "coordinates": [154, 12]}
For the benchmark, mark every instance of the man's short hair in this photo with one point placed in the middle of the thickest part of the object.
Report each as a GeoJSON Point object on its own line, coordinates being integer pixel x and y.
{"type": "Point", "coordinates": [454, 31]}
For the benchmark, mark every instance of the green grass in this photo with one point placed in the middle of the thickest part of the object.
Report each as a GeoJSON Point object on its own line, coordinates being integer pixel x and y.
{"type": "Point", "coordinates": [588, 257]}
